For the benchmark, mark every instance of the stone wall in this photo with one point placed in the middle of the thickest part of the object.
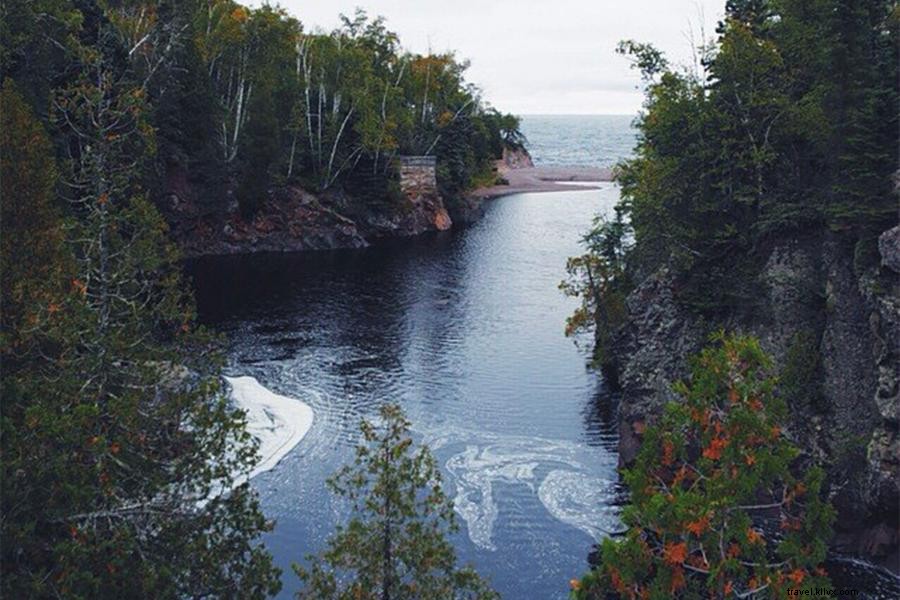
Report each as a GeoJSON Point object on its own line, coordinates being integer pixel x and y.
{"type": "Point", "coordinates": [418, 176]}
{"type": "Point", "coordinates": [418, 182]}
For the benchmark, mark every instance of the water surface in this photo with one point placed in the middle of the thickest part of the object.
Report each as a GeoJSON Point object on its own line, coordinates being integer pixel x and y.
{"type": "Point", "coordinates": [579, 140]}
{"type": "Point", "coordinates": [463, 329]}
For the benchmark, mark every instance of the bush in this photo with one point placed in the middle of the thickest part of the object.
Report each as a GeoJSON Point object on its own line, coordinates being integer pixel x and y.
{"type": "Point", "coordinates": [716, 508]}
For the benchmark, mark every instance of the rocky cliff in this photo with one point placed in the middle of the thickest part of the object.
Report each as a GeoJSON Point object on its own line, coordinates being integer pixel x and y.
{"type": "Point", "coordinates": [293, 219]}
{"type": "Point", "coordinates": [834, 333]}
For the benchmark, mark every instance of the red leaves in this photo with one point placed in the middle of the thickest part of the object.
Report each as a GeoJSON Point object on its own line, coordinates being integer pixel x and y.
{"type": "Point", "coordinates": [668, 452]}
{"type": "Point", "coordinates": [674, 554]}
{"type": "Point", "coordinates": [699, 526]}
{"type": "Point", "coordinates": [715, 448]}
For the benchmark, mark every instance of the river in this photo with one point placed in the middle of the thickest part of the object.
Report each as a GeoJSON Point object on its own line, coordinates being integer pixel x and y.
{"type": "Point", "coordinates": [465, 331]}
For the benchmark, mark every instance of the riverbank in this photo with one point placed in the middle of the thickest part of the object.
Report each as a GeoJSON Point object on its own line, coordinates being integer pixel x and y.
{"type": "Point", "coordinates": [545, 179]}
{"type": "Point", "coordinates": [296, 220]}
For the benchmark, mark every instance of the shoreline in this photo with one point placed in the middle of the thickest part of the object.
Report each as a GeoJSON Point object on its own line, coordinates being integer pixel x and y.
{"type": "Point", "coordinates": [526, 180]}
{"type": "Point", "coordinates": [300, 221]}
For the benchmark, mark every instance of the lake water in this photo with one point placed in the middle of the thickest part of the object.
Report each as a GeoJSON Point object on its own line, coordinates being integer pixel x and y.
{"type": "Point", "coordinates": [465, 331]}
{"type": "Point", "coordinates": [582, 140]}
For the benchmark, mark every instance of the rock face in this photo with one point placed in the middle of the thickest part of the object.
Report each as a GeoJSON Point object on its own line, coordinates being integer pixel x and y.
{"type": "Point", "coordinates": [818, 316]}
{"type": "Point", "coordinates": [516, 159]}
{"type": "Point", "coordinates": [293, 219]}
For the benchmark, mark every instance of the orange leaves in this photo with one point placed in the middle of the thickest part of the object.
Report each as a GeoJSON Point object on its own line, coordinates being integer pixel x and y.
{"type": "Point", "coordinates": [753, 536]}
{"type": "Point", "coordinates": [729, 587]}
{"type": "Point", "coordinates": [240, 14]}
{"type": "Point", "coordinates": [701, 417]}
{"type": "Point", "coordinates": [79, 286]}
{"type": "Point", "coordinates": [680, 476]}
{"type": "Point", "coordinates": [797, 576]}
{"type": "Point", "coordinates": [677, 581]}
{"type": "Point", "coordinates": [699, 526]}
{"type": "Point", "coordinates": [575, 584]}
{"type": "Point", "coordinates": [668, 452]}
{"type": "Point", "coordinates": [674, 554]}
{"type": "Point", "coordinates": [733, 396]}
{"type": "Point", "coordinates": [750, 459]}
{"type": "Point", "coordinates": [103, 199]}
{"type": "Point", "coordinates": [616, 579]}
{"type": "Point", "coordinates": [715, 448]}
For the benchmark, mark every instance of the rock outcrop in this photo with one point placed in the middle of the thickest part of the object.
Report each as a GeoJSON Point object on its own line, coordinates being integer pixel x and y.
{"type": "Point", "coordinates": [293, 219]}
{"type": "Point", "coordinates": [819, 319]}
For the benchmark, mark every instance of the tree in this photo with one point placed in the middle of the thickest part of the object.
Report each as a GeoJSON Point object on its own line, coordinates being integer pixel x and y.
{"type": "Point", "coordinates": [716, 508]}
{"type": "Point", "coordinates": [31, 225]}
{"type": "Point", "coordinates": [119, 450]}
{"type": "Point", "coordinates": [395, 545]}
{"type": "Point", "coordinates": [599, 279]}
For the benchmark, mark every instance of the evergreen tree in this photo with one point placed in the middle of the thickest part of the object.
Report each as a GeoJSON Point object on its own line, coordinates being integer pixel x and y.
{"type": "Point", "coordinates": [395, 545]}
{"type": "Point", "coordinates": [716, 508]}
{"type": "Point", "coordinates": [119, 450]}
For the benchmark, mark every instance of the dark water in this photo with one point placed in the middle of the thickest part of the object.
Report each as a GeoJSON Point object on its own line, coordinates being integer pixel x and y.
{"type": "Point", "coordinates": [583, 140]}
{"type": "Point", "coordinates": [465, 331]}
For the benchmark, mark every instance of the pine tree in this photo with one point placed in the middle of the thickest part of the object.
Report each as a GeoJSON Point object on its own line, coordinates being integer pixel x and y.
{"type": "Point", "coordinates": [119, 450]}
{"type": "Point", "coordinates": [395, 545]}
{"type": "Point", "coordinates": [717, 508]}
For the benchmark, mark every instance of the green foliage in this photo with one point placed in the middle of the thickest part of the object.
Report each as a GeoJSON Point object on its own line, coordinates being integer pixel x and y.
{"type": "Point", "coordinates": [791, 128]}
{"type": "Point", "coordinates": [599, 279]}
{"type": "Point", "coordinates": [119, 450]}
{"type": "Point", "coordinates": [716, 507]}
{"type": "Point", "coordinates": [394, 546]}
{"type": "Point", "coordinates": [31, 225]}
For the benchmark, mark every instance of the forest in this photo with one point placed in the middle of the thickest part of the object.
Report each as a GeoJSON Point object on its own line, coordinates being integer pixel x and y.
{"type": "Point", "coordinates": [761, 198]}
{"type": "Point", "coordinates": [124, 462]}
{"type": "Point", "coordinates": [121, 452]}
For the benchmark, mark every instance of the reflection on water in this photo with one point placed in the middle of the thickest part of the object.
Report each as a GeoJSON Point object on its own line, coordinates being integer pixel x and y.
{"type": "Point", "coordinates": [465, 331]}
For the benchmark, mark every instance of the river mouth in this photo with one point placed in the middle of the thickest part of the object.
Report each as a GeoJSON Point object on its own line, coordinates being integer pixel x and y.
{"type": "Point", "coordinates": [465, 331]}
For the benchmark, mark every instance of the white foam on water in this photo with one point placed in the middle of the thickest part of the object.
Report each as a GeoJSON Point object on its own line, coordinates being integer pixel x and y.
{"type": "Point", "coordinates": [278, 422]}
{"type": "Point", "coordinates": [569, 494]}
{"type": "Point", "coordinates": [474, 472]}
{"type": "Point", "coordinates": [582, 501]}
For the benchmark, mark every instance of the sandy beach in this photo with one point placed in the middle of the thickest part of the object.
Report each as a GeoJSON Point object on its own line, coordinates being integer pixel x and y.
{"type": "Point", "coordinates": [546, 179]}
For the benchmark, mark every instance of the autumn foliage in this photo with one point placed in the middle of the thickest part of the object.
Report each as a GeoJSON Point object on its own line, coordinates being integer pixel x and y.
{"type": "Point", "coordinates": [717, 510]}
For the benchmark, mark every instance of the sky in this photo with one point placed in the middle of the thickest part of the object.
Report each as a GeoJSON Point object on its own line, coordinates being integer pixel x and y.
{"type": "Point", "coordinates": [537, 56]}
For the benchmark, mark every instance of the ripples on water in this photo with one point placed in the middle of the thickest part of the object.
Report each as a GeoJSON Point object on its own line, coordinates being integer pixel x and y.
{"type": "Point", "coordinates": [465, 331]}
{"type": "Point", "coordinates": [579, 140]}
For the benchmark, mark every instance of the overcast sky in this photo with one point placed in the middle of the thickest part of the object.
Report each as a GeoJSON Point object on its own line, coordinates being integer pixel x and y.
{"type": "Point", "coordinates": [537, 56]}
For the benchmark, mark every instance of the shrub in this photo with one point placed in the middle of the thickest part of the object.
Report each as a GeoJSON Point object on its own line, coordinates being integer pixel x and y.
{"type": "Point", "coordinates": [716, 509]}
